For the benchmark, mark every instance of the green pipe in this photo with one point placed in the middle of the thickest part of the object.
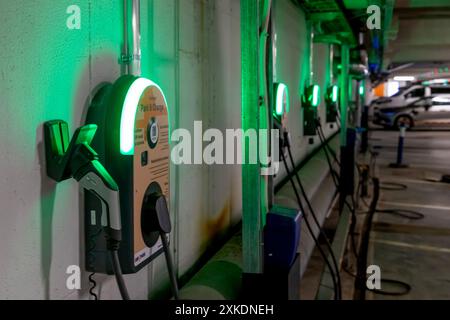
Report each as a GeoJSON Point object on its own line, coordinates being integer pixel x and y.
{"type": "Point", "coordinates": [218, 280]}
{"type": "Point", "coordinates": [221, 277]}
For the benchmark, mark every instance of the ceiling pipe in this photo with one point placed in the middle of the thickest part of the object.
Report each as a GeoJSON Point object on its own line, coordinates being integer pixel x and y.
{"type": "Point", "coordinates": [131, 58]}
{"type": "Point", "coordinates": [363, 51]}
{"type": "Point", "coordinates": [361, 70]}
{"type": "Point", "coordinates": [125, 56]}
{"type": "Point", "coordinates": [136, 34]}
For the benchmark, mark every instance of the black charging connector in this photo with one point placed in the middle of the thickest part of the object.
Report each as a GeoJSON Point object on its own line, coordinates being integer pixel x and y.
{"type": "Point", "coordinates": [77, 159]}
{"type": "Point", "coordinates": [155, 220]}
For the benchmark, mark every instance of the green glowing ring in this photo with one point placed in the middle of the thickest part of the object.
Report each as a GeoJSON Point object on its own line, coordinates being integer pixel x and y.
{"type": "Point", "coordinates": [282, 99]}
{"type": "Point", "coordinates": [316, 96]}
{"type": "Point", "coordinates": [335, 93]}
{"type": "Point", "coordinates": [129, 110]}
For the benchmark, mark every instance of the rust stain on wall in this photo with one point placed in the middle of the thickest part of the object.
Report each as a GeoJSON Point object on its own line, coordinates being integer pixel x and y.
{"type": "Point", "coordinates": [216, 226]}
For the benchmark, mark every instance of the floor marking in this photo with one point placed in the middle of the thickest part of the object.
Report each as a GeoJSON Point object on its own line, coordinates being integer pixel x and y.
{"type": "Point", "coordinates": [426, 166]}
{"type": "Point", "coordinates": [414, 205]}
{"type": "Point", "coordinates": [387, 227]}
{"type": "Point", "coordinates": [433, 182]}
{"type": "Point", "coordinates": [414, 246]}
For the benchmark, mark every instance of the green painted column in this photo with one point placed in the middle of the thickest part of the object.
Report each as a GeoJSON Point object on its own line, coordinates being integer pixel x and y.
{"type": "Point", "coordinates": [264, 114]}
{"type": "Point", "coordinates": [344, 85]}
{"type": "Point", "coordinates": [251, 177]}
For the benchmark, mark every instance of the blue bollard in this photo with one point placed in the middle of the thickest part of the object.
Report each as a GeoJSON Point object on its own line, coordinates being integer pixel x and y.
{"type": "Point", "coordinates": [401, 141]}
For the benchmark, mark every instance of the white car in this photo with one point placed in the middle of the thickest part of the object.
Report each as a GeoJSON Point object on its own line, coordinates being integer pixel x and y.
{"type": "Point", "coordinates": [412, 105]}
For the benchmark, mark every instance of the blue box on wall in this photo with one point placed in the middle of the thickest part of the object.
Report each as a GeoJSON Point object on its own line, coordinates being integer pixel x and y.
{"type": "Point", "coordinates": [281, 237]}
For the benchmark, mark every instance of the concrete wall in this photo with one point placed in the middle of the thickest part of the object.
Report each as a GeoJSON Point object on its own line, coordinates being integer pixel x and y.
{"type": "Point", "coordinates": [209, 59]}
{"type": "Point", "coordinates": [191, 48]}
{"type": "Point", "coordinates": [292, 67]}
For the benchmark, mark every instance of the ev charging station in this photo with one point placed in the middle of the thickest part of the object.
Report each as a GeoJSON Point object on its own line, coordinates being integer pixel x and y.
{"type": "Point", "coordinates": [121, 159]}
{"type": "Point", "coordinates": [133, 143]}
{"type": "Point", "coordinates": [282, 229]}
{"type": "Point", "coordinates": [331, 102]}
{"type": "Point", "coordinates": [310, 103]}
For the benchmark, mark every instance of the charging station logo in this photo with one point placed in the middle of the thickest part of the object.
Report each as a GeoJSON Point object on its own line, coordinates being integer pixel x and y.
{"type": "Point", "coordinates": [227, 148]}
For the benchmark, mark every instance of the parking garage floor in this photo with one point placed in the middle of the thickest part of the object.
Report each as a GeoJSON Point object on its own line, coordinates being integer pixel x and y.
{"type": "Point", "coordinates": [414, 251]}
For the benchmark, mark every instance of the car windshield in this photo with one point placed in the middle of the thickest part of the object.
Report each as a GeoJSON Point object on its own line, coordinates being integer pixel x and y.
{"type": "Point", "coordinates": [399, 92]}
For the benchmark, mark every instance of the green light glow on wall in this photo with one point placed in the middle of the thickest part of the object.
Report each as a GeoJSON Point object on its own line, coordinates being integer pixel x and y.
{"type": "Point", "coordinates": [316, 96]}
{"type": "Point", "coordinates": [282, 99]}
{"type": "Point", "coordinates": [361, 90]}
{"type": "Point", "coordinates": [128, 118]}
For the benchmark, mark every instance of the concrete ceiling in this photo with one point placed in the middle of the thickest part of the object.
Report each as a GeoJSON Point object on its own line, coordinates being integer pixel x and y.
{"type": "Point", "coordinates": [419, 33]}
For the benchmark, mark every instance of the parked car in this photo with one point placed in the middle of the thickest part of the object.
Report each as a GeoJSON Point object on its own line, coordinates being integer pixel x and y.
{"type": "Point", "coordinates": [412, 105]}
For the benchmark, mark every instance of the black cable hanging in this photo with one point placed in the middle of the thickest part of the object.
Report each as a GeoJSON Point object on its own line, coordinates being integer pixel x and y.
{"type": "Point", "coordinates": [312, 212]}
{"type": "Point", "coordinates": [330, 268]}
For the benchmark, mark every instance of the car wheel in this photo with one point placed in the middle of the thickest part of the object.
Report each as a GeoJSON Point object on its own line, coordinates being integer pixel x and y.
{"type": "Point", "coordinates": [404, 120]}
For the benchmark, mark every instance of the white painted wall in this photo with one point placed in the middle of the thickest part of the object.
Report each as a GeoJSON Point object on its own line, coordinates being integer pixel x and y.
{"type": "Point", "coordinates": [291, 66]}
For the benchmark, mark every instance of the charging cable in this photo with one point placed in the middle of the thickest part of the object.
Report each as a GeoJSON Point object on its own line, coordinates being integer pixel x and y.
{"type": "Point", "coordinates": [336, 288]}
{"type": "Point", "coordinates": [157, 220]}
{"type": "Point", "coordinates": [313, 214]}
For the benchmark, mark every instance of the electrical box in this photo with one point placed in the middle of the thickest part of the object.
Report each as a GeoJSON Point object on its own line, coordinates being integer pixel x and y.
{"type": "Point", "coordinates": [310, 103]}
{"type": "Point", "coordinates": [132, 141]}
{"type": "Point", "coordinates": [281, 237]}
